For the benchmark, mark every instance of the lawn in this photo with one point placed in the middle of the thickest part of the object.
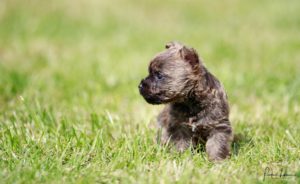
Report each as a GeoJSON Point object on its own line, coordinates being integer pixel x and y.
{"type": "Point", "coordinates": [70, 110]}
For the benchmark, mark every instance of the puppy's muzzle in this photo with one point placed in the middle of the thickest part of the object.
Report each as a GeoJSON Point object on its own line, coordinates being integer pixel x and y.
{"type": "Point", "coordinates": [144, 88]}
{"type": "Point", "coordinates": [142, 84]}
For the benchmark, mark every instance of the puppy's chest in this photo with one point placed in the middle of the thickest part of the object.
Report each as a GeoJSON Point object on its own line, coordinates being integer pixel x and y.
{"type": "Point", "coordinates": [185, 120]}
{"type": "Point", "coordinates": [188, 122]}
{"type": "Point", "coordinates": [179, 118]}
{"type": "Point", "coordinates": [182, 113]}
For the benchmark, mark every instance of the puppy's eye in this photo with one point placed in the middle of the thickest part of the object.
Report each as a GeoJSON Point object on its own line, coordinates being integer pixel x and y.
{"type": "Point", "coordinates": [159, 75]}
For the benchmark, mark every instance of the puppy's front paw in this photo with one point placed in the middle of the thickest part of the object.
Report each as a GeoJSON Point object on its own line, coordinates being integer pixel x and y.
{"type": "Point", "coordinates": [218, 147]}
{"type": "Point", "coordinates": [182, 145]}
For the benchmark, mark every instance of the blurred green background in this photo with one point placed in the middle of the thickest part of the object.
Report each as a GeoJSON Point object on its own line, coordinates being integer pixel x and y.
{"type": "Point", "coordinates": [70, 110]}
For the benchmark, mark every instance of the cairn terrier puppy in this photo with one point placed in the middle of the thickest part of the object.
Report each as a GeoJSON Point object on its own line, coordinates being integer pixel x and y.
{"type": "Point", "coordinates": [196, 109]}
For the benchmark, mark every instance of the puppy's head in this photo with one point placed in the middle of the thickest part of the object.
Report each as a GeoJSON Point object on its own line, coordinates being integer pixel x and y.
{"type": "Point", "coordinates": [172, 74]}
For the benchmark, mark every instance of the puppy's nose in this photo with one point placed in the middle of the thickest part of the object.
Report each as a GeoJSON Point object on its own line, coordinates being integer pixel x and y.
{"type": "Point", "coordinates": [141, 84]}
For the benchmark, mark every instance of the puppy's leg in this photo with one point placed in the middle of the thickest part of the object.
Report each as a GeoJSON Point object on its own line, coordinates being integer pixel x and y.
{"type": "Point", "coordinates": [181, 137]}
{"type": "Point", "coordinates": [174, 136]}
{"type": "Point", "coordinates": [162, 137]}
{"type": "Point", "coordinates": [182, 144]}
{"type": "Point", "coordinates": [218, 146]}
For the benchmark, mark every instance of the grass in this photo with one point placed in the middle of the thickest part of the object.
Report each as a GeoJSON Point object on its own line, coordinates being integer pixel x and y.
{"type": "Point", "coordinates": [70, 111]}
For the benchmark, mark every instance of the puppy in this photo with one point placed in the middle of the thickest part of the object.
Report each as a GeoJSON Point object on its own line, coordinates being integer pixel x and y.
{"type": "Point", "coordinates": [196, 109]}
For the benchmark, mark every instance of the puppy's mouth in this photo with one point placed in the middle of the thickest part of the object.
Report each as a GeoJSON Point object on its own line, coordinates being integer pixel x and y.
{"type": "Point", "coordinates": [157, 99]}
{"type": "Point", "coordinates": [152, 100]}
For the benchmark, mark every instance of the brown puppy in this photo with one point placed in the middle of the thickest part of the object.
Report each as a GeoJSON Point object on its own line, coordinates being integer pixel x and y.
{"type": "Point", "coordinates": [196, 110]}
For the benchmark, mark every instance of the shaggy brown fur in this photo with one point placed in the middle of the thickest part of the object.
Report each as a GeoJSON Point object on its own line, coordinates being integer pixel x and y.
{"type": "Point", "coordinates": [196, 110]}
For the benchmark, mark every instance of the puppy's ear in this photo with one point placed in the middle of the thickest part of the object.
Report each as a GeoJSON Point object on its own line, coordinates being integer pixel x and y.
{"type": "Point", "coordinates": [173, 44]}
{"type": "Point", "coordinates": [189, 55]}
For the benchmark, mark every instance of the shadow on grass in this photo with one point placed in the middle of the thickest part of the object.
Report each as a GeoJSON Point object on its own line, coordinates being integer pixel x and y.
{"type": "Point", "coordinates": [240, 140]}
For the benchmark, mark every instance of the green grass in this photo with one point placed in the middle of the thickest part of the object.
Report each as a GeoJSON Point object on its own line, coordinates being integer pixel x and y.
{"type": "Point", "coordinates": [70, 111]}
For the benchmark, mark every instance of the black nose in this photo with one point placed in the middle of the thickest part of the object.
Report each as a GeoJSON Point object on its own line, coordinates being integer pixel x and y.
{"type": "Point", "coordinates": [141, 84]}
